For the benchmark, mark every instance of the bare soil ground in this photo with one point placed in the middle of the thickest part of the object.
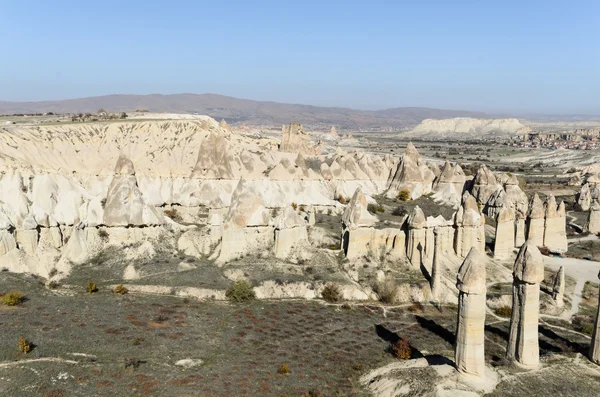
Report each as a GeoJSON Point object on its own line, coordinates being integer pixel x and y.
{"type": "Point", "coordinates": [105, 344]}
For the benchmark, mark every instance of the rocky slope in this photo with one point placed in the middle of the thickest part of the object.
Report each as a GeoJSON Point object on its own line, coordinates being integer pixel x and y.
{"type": "Point", "coordinates": [467, 128]}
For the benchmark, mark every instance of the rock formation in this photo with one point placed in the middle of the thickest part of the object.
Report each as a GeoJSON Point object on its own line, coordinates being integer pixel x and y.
{"type": "Point", "coordinates": [520, 229]}
{"type": "Point", "coordinates": [469, 354]}
{"type": "Point", "coordinates": [589, 192]}
{"type": "Point", "coordinates": [470, 225]}
{"type": "Point", "coordinates": [246, 225]}
{"type": "Point", "coordinates": [412, 175]}
{"type": "Point", "coordinates": [290, 233]}
{"type": "Point", "coordinates": [555, 233]}
{"type": "Point", "coordinates": [505, 234]}
{"type": "Point", "coordinates": [415, 245]}
{"type": "Point", "coordinates": [448, 186]}
{"type": "Point", "coordinates": [484, 184]}
{"type": "Point", "coordinates": [536, 222]}
{"type": "Point", "coordinates": [593, 222]}
{"type": "Point", "coordinates": [436, 271]}
{"type": "Point", "coordinates": [558, 287]}
{"type": "Point", "coordinates": [516, 195]}
{"type": "Point", "coordinates": [528, 273]}
{"type": "Point", "coordinates": [295, 140]}
{"type": "Point", "coordinates": [214, 159]}
{"type": "Point", "coordinates": [467, 127]}
{"type": "Point", "coordinates": [595, 346]}
{"type": "Point", "coordinates": [360, 238]}
{"type": "Point", "coordinates": [124, 203]}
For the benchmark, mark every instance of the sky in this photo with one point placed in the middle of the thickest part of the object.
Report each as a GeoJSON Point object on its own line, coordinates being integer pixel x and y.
{"type": "Point", "coordinates": [495, 56]}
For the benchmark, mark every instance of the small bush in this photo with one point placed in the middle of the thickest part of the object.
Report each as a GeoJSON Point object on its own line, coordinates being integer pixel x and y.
{"type": "Point", "coordinates": [386, 291]}
{"type": "Point", "coordinates": [342, 200]}
{"type": "Point", "coordinates": [120, 289]}
{"type": "Point", "coordinates": [399, 211]}
{"type": "Point", "coordinates": [172, 213]}
{"type": "Point", "coordinates": [294, 206]}
{"type": "Point", "coordinates": [403, 195]}
{"type": "Point", "coordinates": [24, 345]}
{"type": "Point", "coordinates": [373, 208]}
{"type": "Point", "coordinates": [91, 287]}
{"type": "Point", "coordinates": [401, 349]}
{"type": "Point", "coordinates": [13, 298]}
{"type": "Point", "coordinates": [284, 369]}
{"type": "Point", "coordinates": [416, 307]}
{"type": "Point", "coordinates": [240, 291]}
{"type": "Point", "coordinates": [334, 247]}
{"type": "Point", "coordinates": [103, 234]}
{"type": "Point", "coordinates": [103, 202]}
{"type": "Point", "coordinates": [332, 293]}
{"type": "Point", "coordinates": [503, 311]}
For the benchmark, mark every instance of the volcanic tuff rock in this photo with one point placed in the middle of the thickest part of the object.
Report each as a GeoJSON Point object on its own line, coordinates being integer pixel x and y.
{"type": "Point", "coordinates": [412, 175]}
{"type": "Point", "coordinates": [449, 185]}
{"type": "Point", "coordinates": [469, 354]}
{"type": "Point", "coordinates": [295, 140]}
{"type": "Point", "coordinates": [465, 127]}
{"type": "Point", "coordinates": [528, 273]}
{"type": "Point", "coordinates": [593, 222]}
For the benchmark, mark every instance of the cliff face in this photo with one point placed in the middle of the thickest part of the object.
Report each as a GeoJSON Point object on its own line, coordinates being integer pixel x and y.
{"type": "Point", "coordinates": [466, 127]}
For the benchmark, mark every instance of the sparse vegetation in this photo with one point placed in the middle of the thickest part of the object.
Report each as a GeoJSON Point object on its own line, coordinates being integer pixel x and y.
{"type": "Point", "coordinates": [284, 369]}
{"type": "Point", "coordinates": [24, 345]}
{"type": "Point", "coordinates": [240, 291]}
{"type": "Point", "coordinates": [103, 234]}
{"type": "Point", "coordinates": [403, 195]}
{"type": "Point", "coordinates": [12, 298]}
{"type": "Point", "coordinates": [375, 208]}
{"type": "Point", "coordinates": [332, 293]}
{"type": "Point", "coordinates": [91, 287]}
{"type": "Point", "coordinates": [120, 289]}
{"type": "Point", "coordinates": [399, 211]}
{"type": "Point", "coordinates": [401, 349]}
{"type": "Point", "coordinates": [342, 200]}
{"type": "Point", "coordinates": [172, 213]}
{"type": "Point", "coordinates": [386, 290]}
{"type": "Point", "coordinates": [294, 206]}
{"type": "Point", "coordinates": [503, 311]}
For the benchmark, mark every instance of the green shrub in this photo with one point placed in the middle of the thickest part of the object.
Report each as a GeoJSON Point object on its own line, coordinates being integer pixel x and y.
{"type": "Point", "coordinates": [373, 208]}
{"type": "Point", "coordinates": [403, 195]}
{"type": "Point", "coordinates": [12, 298]}
{"type": "Point", "coordinates": [240, 291]}
{"type": "Point", "coordinates": [24, 345]}
{"type": "Point", "coordinates": [332, 293]}
{"type": "Point", "coordinates": [120, 289]}
{"type": "Point", "coordinates": [504, 311]}
{"type": "Point", "coordinates": [399, 211]}
{"type": "Point", "coordinates": [91, 287]}
{"type": "Point", "coordinates": [284, 369]}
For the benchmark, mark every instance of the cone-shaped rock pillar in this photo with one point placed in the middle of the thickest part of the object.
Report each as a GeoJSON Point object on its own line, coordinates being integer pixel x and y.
{"type": "Point", "coordinates": [505, 233]}
{"type": "Point", "coordinates": [528, 273]}
{"type": "Point", "coordinates": [471, 282]}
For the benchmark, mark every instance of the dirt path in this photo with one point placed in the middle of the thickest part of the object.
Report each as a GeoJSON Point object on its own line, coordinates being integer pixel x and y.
{"type": "Point", "coordinates": [581, 270]}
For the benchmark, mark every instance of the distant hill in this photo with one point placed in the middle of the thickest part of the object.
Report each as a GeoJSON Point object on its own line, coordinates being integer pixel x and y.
{"type": "Point", "coordinates": [237, 111]}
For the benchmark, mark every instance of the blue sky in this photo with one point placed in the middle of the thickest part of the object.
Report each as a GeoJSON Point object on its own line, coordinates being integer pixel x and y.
{"type": "Point", "coordinates": [499, 56]}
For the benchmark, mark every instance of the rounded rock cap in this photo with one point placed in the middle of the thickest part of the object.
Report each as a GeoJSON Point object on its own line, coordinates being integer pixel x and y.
{"type": "Point", "coordinates": [471, 277]}
{"type": "Point", "coordinates": [529, 265]}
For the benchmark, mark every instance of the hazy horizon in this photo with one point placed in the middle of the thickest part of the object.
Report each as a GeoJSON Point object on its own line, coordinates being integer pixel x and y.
{"type": "Point", "coordinates": [509, 58]}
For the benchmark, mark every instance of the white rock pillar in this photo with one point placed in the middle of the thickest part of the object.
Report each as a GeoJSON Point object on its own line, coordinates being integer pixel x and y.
{"type": "Point", "coordinates": [528, 273]}
{"type": "Point", "coordinates": [558, 288]}
{"type": "Point", "coordinates": [593, 221]}
{"type": "Point", "coordinates": [435, 267]}
{"type": "Point", "coordinates": [536, 222]}
{"type": "Point", "coordinates": [505, 233]}
{"type": "Point", "coordinates": [471, 282]}
{"type": "Point", "coordinates": [415, 248]}
{"type": "Point", "coordinates": [595, 347]}
{"type": "Point", "coordinates": [520, 230]}
{"type": "Point", "coordinates": [555, 234]}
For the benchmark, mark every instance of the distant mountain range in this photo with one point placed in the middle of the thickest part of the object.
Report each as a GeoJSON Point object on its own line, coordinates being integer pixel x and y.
{"type": "Point", "coordinates": [238, 111]}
